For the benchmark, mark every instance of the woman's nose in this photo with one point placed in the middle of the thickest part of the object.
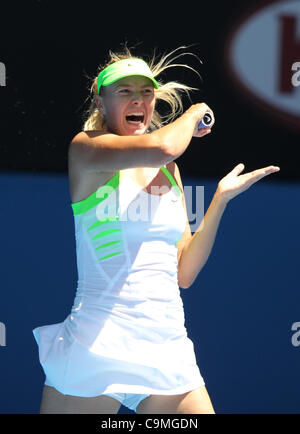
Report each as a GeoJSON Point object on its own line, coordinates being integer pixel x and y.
{"type": "Point", "coordinates": [136, 98]}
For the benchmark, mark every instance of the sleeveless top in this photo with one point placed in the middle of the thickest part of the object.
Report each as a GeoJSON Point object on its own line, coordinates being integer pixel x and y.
{"type": "Point", "coordinates": [126, 330]}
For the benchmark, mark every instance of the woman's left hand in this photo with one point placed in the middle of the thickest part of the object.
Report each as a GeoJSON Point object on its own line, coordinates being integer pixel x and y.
{"type": "Point", "coordinates": [234, 183]}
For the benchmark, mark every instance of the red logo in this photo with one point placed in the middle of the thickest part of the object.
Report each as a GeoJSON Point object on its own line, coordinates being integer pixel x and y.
{"type": "Point", "coordinates": [262, 56]}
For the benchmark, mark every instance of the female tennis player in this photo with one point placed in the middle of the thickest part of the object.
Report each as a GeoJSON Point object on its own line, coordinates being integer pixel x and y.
{"type": "Point", "coordinates": [125, 340]}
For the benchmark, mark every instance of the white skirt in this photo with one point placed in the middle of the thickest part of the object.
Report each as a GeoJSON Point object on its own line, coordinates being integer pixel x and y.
{"type": "Point", "coordinates": [74, 369]}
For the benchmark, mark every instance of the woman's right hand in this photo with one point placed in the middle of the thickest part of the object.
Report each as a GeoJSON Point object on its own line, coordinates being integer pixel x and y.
{"type": "Point", "coordinates": [197, 112]}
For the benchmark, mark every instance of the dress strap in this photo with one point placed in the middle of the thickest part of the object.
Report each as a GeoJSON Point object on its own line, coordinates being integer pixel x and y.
{"type": "Point", "coordinates": [171, 179]}
{"type": "Point", "coordinates": [94, 199]}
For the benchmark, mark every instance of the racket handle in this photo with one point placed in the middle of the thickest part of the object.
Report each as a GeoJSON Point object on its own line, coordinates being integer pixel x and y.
{"type": "Point", "coordinates": [207, 121]}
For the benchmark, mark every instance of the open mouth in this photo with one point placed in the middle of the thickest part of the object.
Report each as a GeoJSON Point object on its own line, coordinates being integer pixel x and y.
{"type": "Point", "coordinates": [135, 118]}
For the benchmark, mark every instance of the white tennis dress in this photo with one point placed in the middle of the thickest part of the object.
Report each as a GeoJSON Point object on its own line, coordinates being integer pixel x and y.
{"type": "Point", "coordinates": [126, 330]}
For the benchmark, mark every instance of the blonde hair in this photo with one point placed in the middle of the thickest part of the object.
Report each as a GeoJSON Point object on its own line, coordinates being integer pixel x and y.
{"type": "Point", "coordinates": [168, 92]}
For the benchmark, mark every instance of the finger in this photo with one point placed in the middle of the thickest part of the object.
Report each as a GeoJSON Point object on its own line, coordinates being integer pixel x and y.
{"type": "Point", "coordinates": [238, 169]}
{"type": "Point", "coordinates": [265, 171]}
{"type": "Point", "coordinates": [276, 168]}
{"type": "Point", "coordinates": [256, 175]}
{"type": "Point", "coordinates": [270, 169]}
{"type": "Point", "coordinates": [204, 131]}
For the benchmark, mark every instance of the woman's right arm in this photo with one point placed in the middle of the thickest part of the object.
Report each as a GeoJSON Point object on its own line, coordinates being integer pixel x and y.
{"type": "Point", "coordinates": [109, 152]}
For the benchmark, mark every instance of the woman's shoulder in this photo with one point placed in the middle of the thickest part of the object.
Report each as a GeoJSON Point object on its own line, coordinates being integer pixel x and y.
{"type": "Point", "coordinates": [83, 183]}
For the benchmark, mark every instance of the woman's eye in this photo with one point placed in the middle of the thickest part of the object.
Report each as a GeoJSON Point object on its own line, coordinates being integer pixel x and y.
{"type": "Point", "coordinates": [127, 91]}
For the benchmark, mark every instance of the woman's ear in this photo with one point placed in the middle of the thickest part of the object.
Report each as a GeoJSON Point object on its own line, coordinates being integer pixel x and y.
{"type": "Point", "coordinates": [99, 104]}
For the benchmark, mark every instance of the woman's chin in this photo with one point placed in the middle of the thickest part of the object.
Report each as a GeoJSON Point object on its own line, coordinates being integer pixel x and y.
{"type": "Point", "coordinates": [139, 132]}
{"type": "Point", "coordinates": [136, 130]}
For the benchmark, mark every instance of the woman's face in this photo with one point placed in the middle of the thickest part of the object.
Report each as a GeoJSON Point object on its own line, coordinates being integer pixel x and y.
{"type": "Point", "coordinates": [128, 105]}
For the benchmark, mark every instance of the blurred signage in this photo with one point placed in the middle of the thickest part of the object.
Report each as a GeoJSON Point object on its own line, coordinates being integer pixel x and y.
{"type": "Point", "coordinates": [263, 58]}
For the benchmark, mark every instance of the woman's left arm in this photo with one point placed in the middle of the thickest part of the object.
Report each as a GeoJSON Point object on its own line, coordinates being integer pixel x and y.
{"type": "Point", "coordinates": [196, 248]}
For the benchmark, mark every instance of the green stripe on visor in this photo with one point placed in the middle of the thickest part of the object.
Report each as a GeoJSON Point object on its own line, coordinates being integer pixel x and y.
{"type": "Point", "coordinates": [124, 68]}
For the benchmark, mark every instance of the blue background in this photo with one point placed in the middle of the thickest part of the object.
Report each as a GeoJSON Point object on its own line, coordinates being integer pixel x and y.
{"type": "Point", "coordinates": [239, 311]}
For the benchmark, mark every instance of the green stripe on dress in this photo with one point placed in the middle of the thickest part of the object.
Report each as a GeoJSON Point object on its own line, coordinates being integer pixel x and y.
{"type": "Point", "coordinates": [103, 221]}
{"type": "Point", "coordinates": [103, 233]}
{"type": "Point", "coordinates": [92, 200]}
{"type": "Point", "coordinates": [107, 244]}
{"type": "Point", "coordinates": [108, 256]}
{"type": "Point", "coordinates": [171, 179]}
